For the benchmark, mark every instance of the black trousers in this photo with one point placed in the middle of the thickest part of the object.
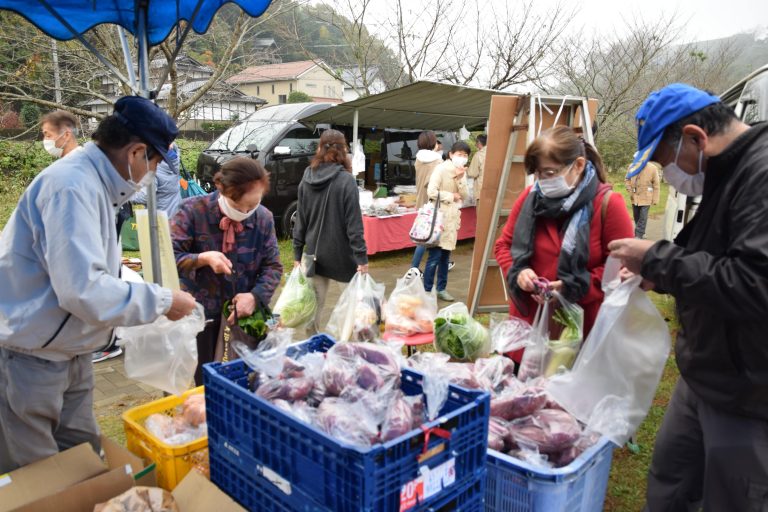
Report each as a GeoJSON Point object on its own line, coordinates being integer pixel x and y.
{"type": "Point", "coordinates": [707, 457]}
{"type": "Point", "coordinates": [206, 347]}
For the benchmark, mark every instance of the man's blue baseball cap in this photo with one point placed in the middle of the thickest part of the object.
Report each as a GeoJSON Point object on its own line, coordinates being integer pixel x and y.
{"type": "Point", "coordinates": [149, 122]}
{"type": "Point", "coordinates": [661, 109]}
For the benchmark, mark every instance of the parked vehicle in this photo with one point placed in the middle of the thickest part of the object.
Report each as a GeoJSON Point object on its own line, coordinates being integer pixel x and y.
{"type": "Point", "coordinates": [749, 99]}
{"type": "Point", "coordinates": [276, 136]}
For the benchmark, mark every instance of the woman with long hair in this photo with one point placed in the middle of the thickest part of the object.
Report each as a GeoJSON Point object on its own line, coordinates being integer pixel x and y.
{"type": "Point", "coordinates": [329, 224]}
{"type": "Point", "coordinates": [559, 228]}
{"type": "Point", "coordinates": [226, 248]}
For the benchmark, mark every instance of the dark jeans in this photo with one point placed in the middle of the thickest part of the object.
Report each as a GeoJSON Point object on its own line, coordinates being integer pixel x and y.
{"type": "Point", "coordinates": [206, 347]}
{"type": "Point", "coordinates": [640, 213]}
{"type": "Point", "coordinates": [436, 261]}
{"type": "Point", "coordinates": [418, 254]}
{"type": "Point", "coordinates": [705, 456]}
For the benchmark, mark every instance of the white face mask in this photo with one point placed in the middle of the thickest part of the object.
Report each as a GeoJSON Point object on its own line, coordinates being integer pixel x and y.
{"type": "Point", "coordinates": [459, 161]}
{"type": "Point", "coordinates": [557, 187]}
{"type": "Point", "coordinates": [50, 146]}
{"type": "Point", "coordinates": [148, 178]}
{"type": "Point", "coordinates": [688, 184]}
{"type": "Point", "coordinates": [234, 214]}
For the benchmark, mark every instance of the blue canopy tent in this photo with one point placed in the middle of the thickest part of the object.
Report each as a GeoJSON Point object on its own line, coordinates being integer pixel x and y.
{"type": "Point", "coordinates": [150, 21]}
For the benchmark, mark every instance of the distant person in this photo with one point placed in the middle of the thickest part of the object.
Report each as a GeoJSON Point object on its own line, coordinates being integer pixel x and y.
{"type": "Point", "coordinates": [59, 133]}
{"type": "Point", "coordinates": [448, 188]}
{"type": "Point", "coordinates": [329, 224]}
{"type": "Point", "coordinates": [427, 159]}
{"type": "Point", "coordinates": [226, 248]}
{"type": "Point", "coordinates": [477, 165]}
{"type": "Point", "coordinates": [168, 182]}
{"type": "Point", "coordinates": [560, 227]}
{"type": "Point", "coordinates": [61, 295]}
{"type": "Point", "coordinates": [644, 189]}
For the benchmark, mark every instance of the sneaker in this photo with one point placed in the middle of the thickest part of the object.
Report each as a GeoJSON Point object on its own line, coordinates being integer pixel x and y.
{"type": "Point", "coordinates": [412, 273]}
{"type": "Point", "coordinates": [451, 264]}
{"type": "Point", "coordinates": [103, 355]}
{"type": "Point", "coordinates": [444, 295]}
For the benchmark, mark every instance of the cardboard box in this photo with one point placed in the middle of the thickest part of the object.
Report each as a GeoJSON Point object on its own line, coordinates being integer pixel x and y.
{"type": "Point", "coordinates": [76, 480]}
{"type": "Point", "coordinates": [73, 480]}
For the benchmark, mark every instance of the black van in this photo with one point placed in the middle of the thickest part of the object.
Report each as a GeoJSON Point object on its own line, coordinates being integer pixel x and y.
{"type": "Point", "coordinates": [275, 137]}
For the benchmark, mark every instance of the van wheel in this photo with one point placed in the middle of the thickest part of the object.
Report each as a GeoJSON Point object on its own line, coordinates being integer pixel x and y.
{"type": "Point", "coordinates": [289, 219]}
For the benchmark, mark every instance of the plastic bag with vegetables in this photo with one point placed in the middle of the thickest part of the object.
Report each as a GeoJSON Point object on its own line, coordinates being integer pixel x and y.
{"type": "Point", "coordinates": [297, 303]}
{"type": "Point", "coordinates": [459, 335]}
{"type": "Point", "coordinates": [509, 334]}
{"type": "Point", "coordinates": [557, 334]}
{"type": "Point", "coordinates": [358, 313]}
{"type": "Point", "coordinates": [410, 309]}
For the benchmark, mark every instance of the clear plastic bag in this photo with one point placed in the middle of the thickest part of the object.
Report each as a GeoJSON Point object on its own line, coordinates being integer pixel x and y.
{"type": "Point", "coordinates": [163, 354]}
{"type": "Point", "coordinates": [410, 309]}
{"type": "Point", "coordinates": [509, 334]}
{"type": "Point", "coordinates": [623, 356]}
{"type": "Point", "coordinates": [496, 372]}
{"type": "Point", "coordinates": [297, 303]}
{"type": "Point", "coordinates": [358, 313]}
{"type": "Point", "coordinates": [267, 358]}
{"type": "Point", "coordinates": [557, 333]}
{"type": "Point", "coordinates": [518, 403]}
{"type": "Point", "coordinates": [459, 335]}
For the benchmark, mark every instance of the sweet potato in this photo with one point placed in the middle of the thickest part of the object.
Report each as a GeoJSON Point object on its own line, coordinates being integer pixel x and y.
{"type": "Point", "coordinates": [518, 404]}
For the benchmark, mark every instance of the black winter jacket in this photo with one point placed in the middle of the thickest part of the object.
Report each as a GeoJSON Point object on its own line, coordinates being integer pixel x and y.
{"type": "Point", "coordinates": [717, 270]}
{"type": "Point", "coordinates": [341, 247]}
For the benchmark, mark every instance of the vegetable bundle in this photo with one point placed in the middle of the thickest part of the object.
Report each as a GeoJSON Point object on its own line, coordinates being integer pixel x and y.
{"type": "Point", "coordinates": [297, 303]}
{"type": "Point", "coordinates": [459, 335]}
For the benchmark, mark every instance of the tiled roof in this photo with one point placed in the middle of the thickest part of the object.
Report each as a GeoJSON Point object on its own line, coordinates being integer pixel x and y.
{"type": "Point", "coordinates": [271, 72]}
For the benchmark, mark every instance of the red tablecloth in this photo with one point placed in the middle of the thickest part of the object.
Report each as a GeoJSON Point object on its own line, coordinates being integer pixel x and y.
{"type": "Point", "coordinates": [391, 233]}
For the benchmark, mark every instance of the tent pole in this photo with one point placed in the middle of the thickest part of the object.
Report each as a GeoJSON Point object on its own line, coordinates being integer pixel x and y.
{"type": "Point", "coordinates": [127, 56]}
{"type": "Point", "coordinates": [154, 243]}
{"type": "Point", "coordinates": [354, 129]}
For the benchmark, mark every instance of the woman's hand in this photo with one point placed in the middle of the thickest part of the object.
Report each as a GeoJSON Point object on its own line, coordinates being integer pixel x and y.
{"type": "Point", "coordinates": [363, 269]}
{"type": "Point", "coordinates": [219, 263]}
{"type": "Point", "coordinates": [525, 280]}
{"type": "Point", "coordinates": [456, 196]}
{"type": "Point", "coordinates": [245, 304]}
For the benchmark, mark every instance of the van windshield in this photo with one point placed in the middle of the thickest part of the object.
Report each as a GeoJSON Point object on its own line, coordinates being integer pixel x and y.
{"type": "Point", "coordinates": [258, 132]}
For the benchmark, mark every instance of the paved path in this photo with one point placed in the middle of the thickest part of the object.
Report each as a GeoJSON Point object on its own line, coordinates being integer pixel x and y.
{"type": "Point", "coordinates": [113, 388]}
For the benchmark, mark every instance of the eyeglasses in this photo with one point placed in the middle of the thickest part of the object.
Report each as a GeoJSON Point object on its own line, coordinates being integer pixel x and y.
{"type": "Point", "coordinates": [549, 172]}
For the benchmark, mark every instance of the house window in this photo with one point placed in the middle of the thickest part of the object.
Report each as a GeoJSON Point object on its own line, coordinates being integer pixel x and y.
{"type": "Point", "coordinates": [310, 85]}
{"type": "Point", "coordinates": [258, 90]}
{"type": "Point", "coordinates": [273, 88]}
{"type": "Point", "coordinates": [282, 98]}
{"type": "Point", "coordinates": [290, 87]}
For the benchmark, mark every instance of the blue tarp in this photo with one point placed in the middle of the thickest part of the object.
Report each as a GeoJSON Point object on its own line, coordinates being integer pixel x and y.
{"type": "Point", "coordinates": [162, 16]}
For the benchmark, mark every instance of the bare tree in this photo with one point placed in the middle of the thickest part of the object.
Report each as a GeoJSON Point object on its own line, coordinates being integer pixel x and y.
{"type": "Point", "coordinates": [622, 71]}
{"type": "Point", "coordinates": [28, 78]}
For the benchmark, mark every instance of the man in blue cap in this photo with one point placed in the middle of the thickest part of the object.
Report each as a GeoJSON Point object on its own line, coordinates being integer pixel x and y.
{"type": "Point", "coordinates": [61, 295]}
{"type": "Point", "coordinates": [712, 448]}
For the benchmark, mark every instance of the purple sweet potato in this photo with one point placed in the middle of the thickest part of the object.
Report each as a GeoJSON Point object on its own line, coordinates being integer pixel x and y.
{"type": "Point", "coordinates": [518, 404]}
{"type": "Point", "coordinates": [399, 420]}
{"type": "Point", "coordinates": [287, 389]}
{"type": "Point", "coordinates": [498, 431]}
{"type": "Point", "coordinates": [549, 430]}
{"type": "Point", "coordinates": [291, 369]}
{"type": "Point", "coordinates": [346, 422]}
{"type": "Point", "coordinates": [336, 377]}
{"type": "Point", "coordinates": [417, 410]}
{"type": "Point", "coordinates": [494, 371]}
{"type": "Point", "coordinates": [368, 377]}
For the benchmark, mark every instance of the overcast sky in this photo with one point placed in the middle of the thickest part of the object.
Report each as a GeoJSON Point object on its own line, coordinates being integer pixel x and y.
{"type": "Point", "coordinates": [703, 19]}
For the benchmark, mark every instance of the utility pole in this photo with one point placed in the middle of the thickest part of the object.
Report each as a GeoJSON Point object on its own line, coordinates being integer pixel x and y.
{"type": "Point", "coordinates": [56, 79]}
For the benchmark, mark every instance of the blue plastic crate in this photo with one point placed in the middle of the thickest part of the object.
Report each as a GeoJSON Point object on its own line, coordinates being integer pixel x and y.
{"type": "Point", "coordinates": [310, 470]}
{"type": "Point", "coordinates": [516, 486]}
{"type": "Point", "coordinates": [241, 477]}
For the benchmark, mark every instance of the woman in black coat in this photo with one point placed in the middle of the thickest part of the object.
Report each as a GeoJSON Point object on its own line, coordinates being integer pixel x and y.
{"type": "Point", "coordinates": [329, 224]}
